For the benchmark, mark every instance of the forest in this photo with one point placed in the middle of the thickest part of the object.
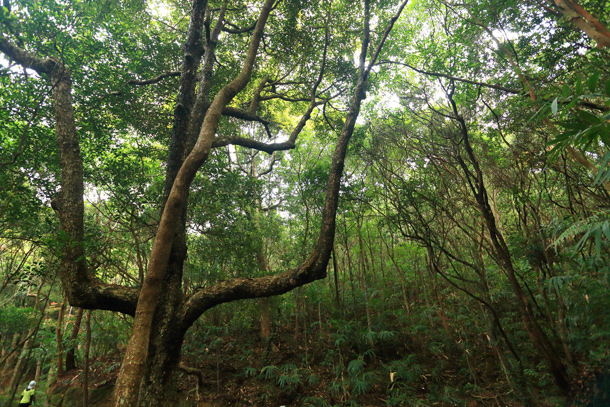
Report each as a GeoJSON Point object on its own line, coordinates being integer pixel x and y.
{"type": "Point", "coordinates": [319, 203]}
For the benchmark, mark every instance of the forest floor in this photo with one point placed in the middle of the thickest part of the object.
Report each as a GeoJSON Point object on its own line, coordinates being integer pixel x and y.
{"type": "Point", "coordinates": [288, 373]}
{"type": "Point", "coordinates": [237, 370]}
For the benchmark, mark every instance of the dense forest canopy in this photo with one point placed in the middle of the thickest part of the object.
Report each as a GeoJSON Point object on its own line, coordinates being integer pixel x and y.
{"type": "Point", "coordinates": [319, 203]}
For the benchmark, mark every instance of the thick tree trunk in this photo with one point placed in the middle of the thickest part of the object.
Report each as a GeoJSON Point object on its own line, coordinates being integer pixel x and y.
{"type": "Point", "coordinates": [159, 384]}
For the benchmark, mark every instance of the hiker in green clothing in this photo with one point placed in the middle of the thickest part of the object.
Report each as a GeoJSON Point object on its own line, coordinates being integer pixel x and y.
{"type": "Point", "coordinates": [28, 397]}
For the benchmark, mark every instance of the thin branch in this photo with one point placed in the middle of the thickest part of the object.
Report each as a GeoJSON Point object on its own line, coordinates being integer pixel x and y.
{"type": "Point", "coordinates": [442, 75]}
{"type": "Point", "coordinates": [385, 36]}
{"type": "Point", "coordinates": [284, 98]}
{"type": "Point", "coordinates": [154, 80]}
{"type": "Point", "coordinates": [274, 160]}
{"type": "Point", "coordinates": [244, 115]}
{"type": "Point", "coordinates": [233, 29]}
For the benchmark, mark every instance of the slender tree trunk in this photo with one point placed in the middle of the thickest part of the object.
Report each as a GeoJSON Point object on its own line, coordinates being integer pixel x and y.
{"type": "Point", "coordinates": [399, 273]}
{"type": "Point", "coordinates": [336, 278]}
{"type": "Point", "coordinates": [265, 319]}
{"type": "Point", "coordinates": [380, 256]}
{"type": "Point", "coordinates": [60, 338]}
{"type": "Point", "coordinates": [25, 354]}
{"type": "Point", "coordinates": [38, 369]}
{"type": "Point", "coordinates": [350, 265]}
{"type": "Point", "coordinates": [363, 280]}
{"type": "Point", "coordinates": [560, 320]}
{"type": "Point", "coordinates": [86, 357]}
{"type": "Point", "coordinates": [10, 359]}
{"type": "Point", "coordinates": [139, 257]}
{"type": "Point", "coordinates": [537, 335]}
{"type": "Point", "coordinates": [300, 315]}
{"type": "Point", "coordinates": [71, 353]}
{"type": "Point", "coordinates": [19, 369]}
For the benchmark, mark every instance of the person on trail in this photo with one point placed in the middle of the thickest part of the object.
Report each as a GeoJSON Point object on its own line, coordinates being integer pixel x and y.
{"type": "Point", "coordinates": [28, 397]}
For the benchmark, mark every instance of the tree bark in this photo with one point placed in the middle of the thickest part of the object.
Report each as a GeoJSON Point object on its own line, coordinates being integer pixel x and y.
{"type": "Point", "coordinates": [159, 382]}
{"type": "Point", "coordinates": [581, 18]}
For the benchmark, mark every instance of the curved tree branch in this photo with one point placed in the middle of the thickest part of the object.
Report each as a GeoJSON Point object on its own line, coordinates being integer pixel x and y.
{"type": "Point", "coordinates": [83, 289]}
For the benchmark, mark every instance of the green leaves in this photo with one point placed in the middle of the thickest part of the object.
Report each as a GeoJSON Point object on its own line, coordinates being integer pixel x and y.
{"type": "Point", "coordinates": [585, 127]}
{"type": "Point", "coordinates": [595, 228]}
{"type": "Point", "coordinates": [354, 367]}
{"type": "Point", "coordinates": [287, 376]}
{"type": "Point", "coordinates": [593, 81]}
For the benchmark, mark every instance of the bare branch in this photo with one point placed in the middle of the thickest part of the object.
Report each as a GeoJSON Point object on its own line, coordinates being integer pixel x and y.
{"type": "Point", "coordinates": [153, 80]}
{"type": "Point", "coordinates": [274, 160]}
{"type": "Point", "coordinates": [254, 144]}
{"type": "Point", "coordinates": [442, 75]}
{"type": "Point", "coordinates": [26, 59]}
{"type": "Point", "coordinates": [385, 35]}
{"type": "Point", "coordinates": [233, 29]}
{"type": "Point", "coordinates": [244, 115]}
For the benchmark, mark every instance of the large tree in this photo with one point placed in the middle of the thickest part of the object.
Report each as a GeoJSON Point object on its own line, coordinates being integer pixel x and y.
{"type": "Point", "coordinates": [235, 54]}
